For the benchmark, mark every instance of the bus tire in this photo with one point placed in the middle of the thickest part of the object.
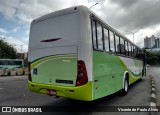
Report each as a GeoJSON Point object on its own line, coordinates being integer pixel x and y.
{"type": "Point", "coordinates": [126, 86]}
{"type": "Point", "coordinates": [8, 74]}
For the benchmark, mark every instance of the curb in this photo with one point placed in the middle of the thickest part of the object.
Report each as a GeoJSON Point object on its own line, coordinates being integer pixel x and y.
{"type": "Point", "coordinates": [153, 95]}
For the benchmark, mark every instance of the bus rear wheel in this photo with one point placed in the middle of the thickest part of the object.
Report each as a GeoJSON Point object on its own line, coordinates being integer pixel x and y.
{"type": "Point", "coordinates": [126, 86]}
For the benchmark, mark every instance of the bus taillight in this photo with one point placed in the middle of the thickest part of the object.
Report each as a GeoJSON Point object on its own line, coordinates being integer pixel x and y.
{"type": "Point", "coordinates": [29, 72]}
{"type": "Point", "coordinates": [82, 77]}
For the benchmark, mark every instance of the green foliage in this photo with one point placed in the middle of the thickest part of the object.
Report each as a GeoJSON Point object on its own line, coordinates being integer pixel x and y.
{"type": "Point", "coordinates": [7, 51]}
{"type": "Point", "coordinates": [153, 58]}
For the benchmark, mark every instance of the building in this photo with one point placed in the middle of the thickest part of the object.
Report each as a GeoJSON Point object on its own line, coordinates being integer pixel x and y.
{"type": "Point", "coordinates": [151, 42]}
{"type": "Point", "coordinates": [146, 42]}
{"type": "Point", "coordinates": [157, 43]}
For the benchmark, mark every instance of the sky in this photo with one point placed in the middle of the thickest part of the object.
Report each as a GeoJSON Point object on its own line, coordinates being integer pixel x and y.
{"type": "Point", "coordinates": [126, 16]}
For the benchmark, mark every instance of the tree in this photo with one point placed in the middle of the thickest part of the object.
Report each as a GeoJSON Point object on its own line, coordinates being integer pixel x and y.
{"type": "Point", "coordinates": [7, 51]}
{"type": "Point", "coordinates": [153, 58]}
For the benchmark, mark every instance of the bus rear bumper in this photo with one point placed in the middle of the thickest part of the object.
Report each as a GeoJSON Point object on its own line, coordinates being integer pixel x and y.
{"type": "Point", "coordinates": [83, 92]}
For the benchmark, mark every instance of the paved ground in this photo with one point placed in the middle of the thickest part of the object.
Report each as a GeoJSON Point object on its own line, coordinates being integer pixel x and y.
{"type": "Point", "coordinates": [155, 73]}
{"type": "Point", "coordinates": [14, 92]}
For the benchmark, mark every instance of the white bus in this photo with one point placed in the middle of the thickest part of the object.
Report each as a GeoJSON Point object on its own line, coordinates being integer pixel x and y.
{"type": "Point", "coordinates": [11, 66]}
{"type": "Point", "coordinates": [74, 54]}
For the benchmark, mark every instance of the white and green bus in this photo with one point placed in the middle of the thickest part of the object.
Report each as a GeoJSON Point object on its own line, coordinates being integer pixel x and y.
{"type": "Point", "coordinates": [74, 54]}
{"type": "Point", "coordinates": [9, 66]}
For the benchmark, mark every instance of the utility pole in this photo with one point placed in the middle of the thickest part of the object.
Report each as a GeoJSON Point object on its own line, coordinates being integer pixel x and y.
{"type": "Point", "coordinates": [21, 51]}
{"type": "Point", "coordinates": [134, 33]}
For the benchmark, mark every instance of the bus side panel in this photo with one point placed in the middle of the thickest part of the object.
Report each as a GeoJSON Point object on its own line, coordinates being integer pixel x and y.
{"type": "Point", "coordinates": [108, 71]}
{"type": "Point", "coordinates": [134, 68]}
{"type": "Point", "coordinates": [108, 74]}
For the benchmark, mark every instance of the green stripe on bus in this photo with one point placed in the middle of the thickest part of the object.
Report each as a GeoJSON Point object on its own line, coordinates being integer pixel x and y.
{"type": "Point", "coordinates": [42, 59]}
{"type": "Point", "coordinates": [50, 56]}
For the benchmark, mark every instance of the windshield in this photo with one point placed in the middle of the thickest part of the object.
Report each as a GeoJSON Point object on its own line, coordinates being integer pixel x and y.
{"type": "Point", "coordinates": [9, 62]}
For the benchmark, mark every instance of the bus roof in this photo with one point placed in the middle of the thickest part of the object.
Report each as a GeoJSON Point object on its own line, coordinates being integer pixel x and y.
{"type": "Point", "coordinates": [12, 59]}
{"type": "Point", "coordinates": [75, 9]}
{"type": "Point", "coordinates": [60, 13]}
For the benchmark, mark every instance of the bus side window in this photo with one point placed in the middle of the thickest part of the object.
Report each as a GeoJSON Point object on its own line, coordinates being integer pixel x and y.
{"type": "Point", "coordinates": [117, 44]}
{"type": "Point", "coordinates": [140, 54]}
{"type": "Point", "coordinates": [137, 53]}
{"type": "Point", "coordinates": [111, 36]}
{"type": "Point", "coordinates": [129, 49]}
{"type": "Point", "coordinates": [106, 40]}
{"type": "Point", "coordinates": [133, 51]}
{"type": "Point", "coordinates": [94, 34]}
{"type": "Point", "coordinates": [99, 37]}
{"type": "Point", "coordinates": [122, 47]}
{"type": "Point", "coordinates": [126, 48]}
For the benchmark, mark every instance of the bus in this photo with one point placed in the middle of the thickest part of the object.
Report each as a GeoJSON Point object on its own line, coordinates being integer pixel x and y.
{"type": "Point", "coordinates": [74, 54]}
{"type": "Point", "coordinates": [11, 66]}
